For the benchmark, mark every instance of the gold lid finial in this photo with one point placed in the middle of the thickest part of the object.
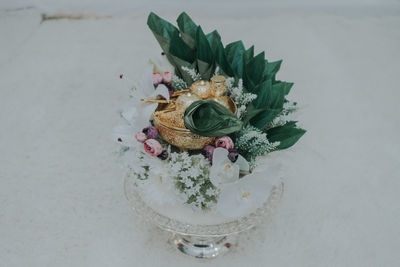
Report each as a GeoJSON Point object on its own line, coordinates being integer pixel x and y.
{"type": "Point", "coordinates": [218, 85]}
{"type": "Point", "coordinates": [218, 79]}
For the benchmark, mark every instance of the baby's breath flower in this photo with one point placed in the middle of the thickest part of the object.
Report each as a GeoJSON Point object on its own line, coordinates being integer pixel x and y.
{"type": "Point", "coordinates": [191, 173]}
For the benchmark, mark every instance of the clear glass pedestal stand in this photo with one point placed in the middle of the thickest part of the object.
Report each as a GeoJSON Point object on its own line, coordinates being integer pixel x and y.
{"type": "Point", "coordinates": [203, 241]}
{"type": "Point", "coordinates": [203, 246]}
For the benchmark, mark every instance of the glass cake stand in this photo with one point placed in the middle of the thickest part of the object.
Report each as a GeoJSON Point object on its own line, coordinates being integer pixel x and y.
{"type": "Point", "coordinates": [202, 240]}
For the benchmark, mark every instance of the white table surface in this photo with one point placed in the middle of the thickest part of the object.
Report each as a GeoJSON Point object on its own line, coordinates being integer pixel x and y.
{"type": "Point", "coordinates": [61, 195]}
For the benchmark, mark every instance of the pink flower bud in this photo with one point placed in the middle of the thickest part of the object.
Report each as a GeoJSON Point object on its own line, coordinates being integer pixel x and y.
{"type": "Point", "coordinates": [224, 142]}
{"type": "Point", "coordinates": [152, 147]}
{"type": "Point", "coordinates": [167, 77]}
{"type": "Point", "coordinates": [157, 78]}
{"type": "Point", "coordinates": [141, 137]}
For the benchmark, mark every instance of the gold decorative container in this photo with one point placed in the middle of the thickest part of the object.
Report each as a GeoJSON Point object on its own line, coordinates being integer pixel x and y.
{"type": "Point", "coordinates": [182, 137]}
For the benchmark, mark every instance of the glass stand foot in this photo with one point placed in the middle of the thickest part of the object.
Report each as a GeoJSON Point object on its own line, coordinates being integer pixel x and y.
{"type": "Point", "coordinates": [203, 247]}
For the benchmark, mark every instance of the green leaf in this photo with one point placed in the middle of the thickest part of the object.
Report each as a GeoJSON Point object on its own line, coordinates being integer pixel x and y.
{"type": "Point", "coordinates": [188, 29]}
{"type": "Point", "coordinates": [251, 112]}
{"type": "Point", "coordinates": [286, 134]}
{"type": "Point", "coordinates": [234, 54]}
{"type": "Point", "coordinates": [248, 54]}
{"type": "Point", "coordinates": [286, 87]}
{"type": "Point", "coordinates": [254, 71]}
{"type": "Point", "coordinates": [209, 118]}
{"type": "Point", "coordinates": [206, 70]}
{"type": "Point", "coordinates": [222, 61]}
{"type": "Point", "coordinates": [271, 68]}
{"type": "Point", "coordinates": [263, 90]}
{"type": "Point", "coordinates": [204, 52]}
{"type": "Point", "coordinates": [162, 30]}
{"type": "Point", "coordinates": [205, 57]}
{"type": "Point", "coordinates": [214, 39]}
{"type": "Point", "coordinates": [264, 117]}
{"type": "Point", "coordinates": [266, 106]}
{"type": "Point", "coordinates": [276, 96]}
{"type": "Point", "coordinates": [180, 49]}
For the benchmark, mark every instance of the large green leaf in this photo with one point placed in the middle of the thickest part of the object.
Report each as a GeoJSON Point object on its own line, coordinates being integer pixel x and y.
{"type": "Point", "coordinates": [251, 112]}
{"type": "Point", "coordinates": [234, 54]}
{"type": "Point", "coordinates": [264, 117]}
{"type": "Point", "coordinates": [285, 86]}
{"type": "Point", "coordinates": [214, 39]}
{"type": "Point", "coordinates": [222, 61]}
{"type": "Point", "coordinates": [209, 118]}
{"type": "Point", "coordinates": [254, 71]}
{"type": "Point", "coordinates": [180, 49]}
{"type": "Point", "coordinates": [248, 54]}
{"type": "Point", "coordinates": [263, 90]}
{"type": "Point", "coordinates": [188, 29]}
{"type": "Point", "coordinates": [204, 52]}
{"type": "Point", "coordinates": [162, 30]}
{"type": "Point", "coordinates": [271, 68]}
{"type": "Point", "coordinates": [276, 96]}
{"type": "Point", "coordinates": [287, 134]}
{"type": "Point", "coordinates": [206, 70]}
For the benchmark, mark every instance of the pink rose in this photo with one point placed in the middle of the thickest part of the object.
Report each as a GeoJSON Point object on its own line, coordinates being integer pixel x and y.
{"type": "Point", "coordinates": [224, 142]}
{"type": "Point", "coordinates": [167, 77]}
{"type": "Point", "coordinates": [152, 147]}
{"type": "Point", "coordinates": [157, 78]}
{"type": "Point", "coordinates": [141, 137]}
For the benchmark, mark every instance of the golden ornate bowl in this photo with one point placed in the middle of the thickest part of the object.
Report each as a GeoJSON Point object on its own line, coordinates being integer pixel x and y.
{"type": "Point", "coordinates": [182, 137]}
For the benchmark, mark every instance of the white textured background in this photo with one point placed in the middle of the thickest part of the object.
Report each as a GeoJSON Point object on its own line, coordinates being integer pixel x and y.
{"type": "Point", "coordinates": [61, 197]}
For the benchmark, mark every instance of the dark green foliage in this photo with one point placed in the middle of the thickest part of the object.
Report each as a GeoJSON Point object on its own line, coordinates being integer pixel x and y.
{"type": "Point", "coordinates": [286, 134]}
{"type": "Point", "coordinates": [188, 46]}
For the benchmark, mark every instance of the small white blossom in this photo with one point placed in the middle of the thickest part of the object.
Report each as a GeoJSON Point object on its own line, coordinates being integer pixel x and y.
{"type": "Point", "coordinates": [211, 192]}
{"type": "Point", "coordinates": [238, 95]}
{"type": "Point", "coordinates": [192, 72]}
{"type": "Point", "coordinates": [178, 83]}
{"type": "Point", "coordinates": [191, 174]}
{"type": "Point", "coordinates": [254, 142]}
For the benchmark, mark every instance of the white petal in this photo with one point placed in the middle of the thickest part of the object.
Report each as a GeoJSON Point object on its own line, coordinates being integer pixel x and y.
{"type": "Point", "coordinates": [258, 186]}
{"type": "Point", "coordinates": [245, 195]}
{"type": "Point", "coordinates": [224, 173]}
{"type": "Point", "coordinates": [214, 177]}
{"type": "Point", "coordinates": [146, 111]}
{"type": "Point", "coordinates": [243, 164]}
{"type": "Point", "coordinates": [220, 155]}
{"type": "Point", "coordinates": [161, 90]}
{"type": "Point", "coordinates": [130, 114]}
{"type": "Point", "coordinates": [230, 202]}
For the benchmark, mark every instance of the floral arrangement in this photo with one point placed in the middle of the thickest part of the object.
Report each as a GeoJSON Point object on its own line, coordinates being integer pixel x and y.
{"type": "Point", "coordinates": [205, 116]}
